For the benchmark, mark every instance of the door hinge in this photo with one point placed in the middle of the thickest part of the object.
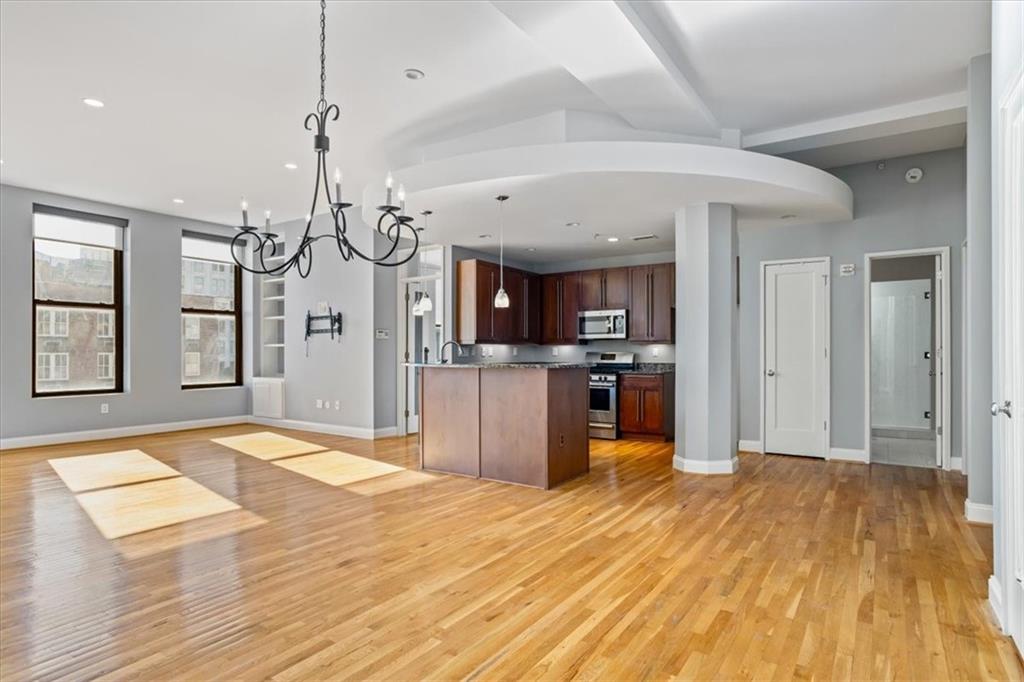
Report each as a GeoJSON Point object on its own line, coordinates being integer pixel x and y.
{"type": "Point", "coordinates": [938, 431]}
{"type": "Point", "coordinates": [407, 413]}
{"type": "Point", "coordinates": [927, 295]}
{"type": "Point", "coordinates": [927, 414]}
{"type": "Point", "coordinates": [826, 425]}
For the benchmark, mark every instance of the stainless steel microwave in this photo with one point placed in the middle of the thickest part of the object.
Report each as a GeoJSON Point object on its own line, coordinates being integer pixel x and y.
{"type": "Point", "coordinates": [601, 324]}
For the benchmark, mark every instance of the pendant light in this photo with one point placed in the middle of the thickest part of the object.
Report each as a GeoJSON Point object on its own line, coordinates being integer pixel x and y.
{"type": "Point", "coordinates": [417, 306]}
{"type": "Point", "coordinates": [426, 305]}
{"type": "Point", "coordinates": [501, 298]}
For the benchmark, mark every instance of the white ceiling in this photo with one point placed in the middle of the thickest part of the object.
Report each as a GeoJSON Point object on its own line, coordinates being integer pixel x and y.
{"type": "Point", "coordinates": [205, 101]}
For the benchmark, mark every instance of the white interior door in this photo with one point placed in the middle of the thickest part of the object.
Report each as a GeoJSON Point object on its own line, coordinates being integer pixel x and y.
{"type": "Point", "coordinates": [1008, 354]}
{"type": "Point", "coordinates": [795, 329]}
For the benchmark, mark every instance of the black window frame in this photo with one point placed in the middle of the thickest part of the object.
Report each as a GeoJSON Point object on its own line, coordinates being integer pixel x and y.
{"type": "Point", "coordinates": [117, 307]}
{"type": "Point", "coordinates": [236, 313]}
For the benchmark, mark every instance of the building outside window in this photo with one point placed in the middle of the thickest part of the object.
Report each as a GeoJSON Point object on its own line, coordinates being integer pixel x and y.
{"type": "Point", "coordinates": [211, 313]}
{"type": "Point", "coordinates": [77, 302]}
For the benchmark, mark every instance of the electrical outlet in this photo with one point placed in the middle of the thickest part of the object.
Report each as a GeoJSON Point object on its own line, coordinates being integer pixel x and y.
{"type": "Point", "coordinates": [319, 404]}
{"type": "Point", "coordinates": [104, 408]}
{"type": "Point", "coordinates": [515, 350]}
{"type": "Point", "coordinates": [337, 404]}
{"type": "Point", "coordinates": [554, 351]}
{"type": "Point", "coordinates": [656, 351]}
{"type": "Point", "coordinates": [322, 308]}
{"type": "Point", "coordinates": [327, 404]}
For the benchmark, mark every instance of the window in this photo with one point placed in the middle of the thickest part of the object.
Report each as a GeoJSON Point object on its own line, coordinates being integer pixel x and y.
{"type": "Point", "coordinates": [211, 313]}
{"type": "Point", "coordinates": [76, 301]}
{"type": "Point", "coordinates": [51, 367]}
{"type": "Point", "coordinates": [105, 326]}
{"type": "Point", "coordinates": [104, 365]}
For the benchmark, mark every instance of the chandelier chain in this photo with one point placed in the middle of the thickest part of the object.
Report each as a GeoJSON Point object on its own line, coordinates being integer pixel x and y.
{"type": "Point", "coordinates": [322, 104]}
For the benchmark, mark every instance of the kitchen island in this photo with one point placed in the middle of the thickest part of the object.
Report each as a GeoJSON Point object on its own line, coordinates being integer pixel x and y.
{"type": "Point", "coordinates": [523, 423]}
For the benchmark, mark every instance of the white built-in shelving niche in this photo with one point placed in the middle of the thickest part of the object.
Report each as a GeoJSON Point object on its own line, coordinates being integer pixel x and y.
{"type": "Point", "coordinates": [271, 294]}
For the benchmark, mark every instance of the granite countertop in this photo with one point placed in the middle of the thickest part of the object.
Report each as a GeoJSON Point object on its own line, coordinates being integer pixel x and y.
{"type": "Point", "coordinates": [503, 365]}
{"type": "Point", "coordinates": [651, 368]}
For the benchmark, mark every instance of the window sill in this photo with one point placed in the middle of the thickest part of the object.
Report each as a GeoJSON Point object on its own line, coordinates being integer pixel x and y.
{"type": "Point", "coordinates": [198, 387]}
{"type": "Point", "coordinates": [78, 394]}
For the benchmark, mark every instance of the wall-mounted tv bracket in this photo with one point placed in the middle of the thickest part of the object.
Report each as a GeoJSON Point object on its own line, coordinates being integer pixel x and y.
{"type": "Point", "coordinates": [333, 327]}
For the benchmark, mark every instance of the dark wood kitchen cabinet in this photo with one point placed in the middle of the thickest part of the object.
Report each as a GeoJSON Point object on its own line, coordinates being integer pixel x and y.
{"type": "Point", "coordinates": [478, 321]}
{"type": "Point", "coordinates": [647, 406]}
{"type": "Point", "coordinates": [604, 289]}
{"type": "Point", "coordinates": [559, 308]}
{"type": "Point", "coordinates": [652, 303]}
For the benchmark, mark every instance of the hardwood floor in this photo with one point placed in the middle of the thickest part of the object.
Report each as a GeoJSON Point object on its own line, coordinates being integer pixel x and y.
{"type": "Point", "coordinates": [793, 568]}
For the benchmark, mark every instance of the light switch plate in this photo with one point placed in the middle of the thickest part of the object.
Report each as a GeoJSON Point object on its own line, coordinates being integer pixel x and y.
{"type": "Point", "coordinates": [319, 404]}
{"type": "Point", "coordinates": [104, 408]}
{"type": "Point", "coordinates": [554, 351]}
{"type": "Point", "coordinates": [381, 333]}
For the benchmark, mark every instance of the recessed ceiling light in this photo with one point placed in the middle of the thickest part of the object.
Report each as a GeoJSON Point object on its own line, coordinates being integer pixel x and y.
{"type": "Point", "coordinates": [788, 216]}
{"type": "Point", "coordinates": [483, 236]}
{"type": "Point", "coordinates": [572, 224]}
{"type": "Point", "coordinates": [291, 166]}
{"type": "Point", "coordinates": [92, 102]}
{"type": "Point", "coordinates": [178, 201]}
{"type": "Point", "coordinates": [531, 248]}
{"type": "Point", "coordinates": [613, 239]}
{"type": "Point", "coordinates": [414, 74]}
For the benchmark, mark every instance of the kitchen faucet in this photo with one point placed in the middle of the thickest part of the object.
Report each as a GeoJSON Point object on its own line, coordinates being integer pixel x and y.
{"type": "Point", "coordinates": [440, 353]}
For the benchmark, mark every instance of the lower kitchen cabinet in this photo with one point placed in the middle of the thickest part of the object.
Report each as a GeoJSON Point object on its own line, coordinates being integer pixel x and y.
{"type": "Point", "coordinates": [647, 406]}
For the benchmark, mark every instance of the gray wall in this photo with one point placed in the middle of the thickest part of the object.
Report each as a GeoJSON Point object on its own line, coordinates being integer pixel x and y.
{"type": "Point", "coordinates": [152, 273]}
{"type": "Point", "coordinates": [385, 316]}
{"type": "Point", "coordinates": [339, 370]}
{"type": "Point", "coordinates": [890, 214]}
{"type": "Point", "coordinates": [978, 346]}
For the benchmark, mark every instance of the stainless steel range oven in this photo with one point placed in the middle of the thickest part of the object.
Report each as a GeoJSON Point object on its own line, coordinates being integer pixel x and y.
{"type": "Point", "coordinates": [604, 392]}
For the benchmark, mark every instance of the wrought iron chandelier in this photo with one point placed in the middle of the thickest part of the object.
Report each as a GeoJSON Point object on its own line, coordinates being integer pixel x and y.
{"type": "Point", "coordinates": [263, 245]}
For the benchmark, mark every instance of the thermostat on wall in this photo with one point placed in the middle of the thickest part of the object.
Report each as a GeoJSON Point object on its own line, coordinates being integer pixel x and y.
{"type": "Point", "coordinates": [847, 270]}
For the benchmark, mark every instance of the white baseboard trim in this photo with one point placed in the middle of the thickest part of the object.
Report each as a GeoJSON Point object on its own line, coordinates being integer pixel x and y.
{"type": "Point", "coordinates": [115, 432]}
{"type": "Point", "coordinates": [848, 455]}
{"type": "Point", "coordinates": [316, 427]}
{"type": "Point", "coordinates": [956, 464]}
{"type": "Point", "coordinates": [995, 600]}
{"type": "Point", "coordinates": [978, 513]}
{"type": "Point", "coordinates": [385, 432]}
{"type": "Point", "coordinates": [706, 467]}
{"type": "Point", "coordinates": [750, 446]}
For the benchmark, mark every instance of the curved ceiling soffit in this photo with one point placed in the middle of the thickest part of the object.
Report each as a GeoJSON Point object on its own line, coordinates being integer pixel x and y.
{"type": "Point", "coordinates": [825, 191]}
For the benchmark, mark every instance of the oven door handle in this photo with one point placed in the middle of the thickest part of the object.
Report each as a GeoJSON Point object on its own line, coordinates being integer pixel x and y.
{"type": "Point", "coordinates": [597, 384]}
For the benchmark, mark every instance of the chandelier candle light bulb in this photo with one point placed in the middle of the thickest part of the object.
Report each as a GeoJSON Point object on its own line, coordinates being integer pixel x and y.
{"type": "Point", "coordinates": [388, 183]}
{"type": "Point", "coordinates": [245, 213]}
{"type": "Point", "coordinates": [266, 215]}
{"type": "Point", "coordinates": [401, 200]}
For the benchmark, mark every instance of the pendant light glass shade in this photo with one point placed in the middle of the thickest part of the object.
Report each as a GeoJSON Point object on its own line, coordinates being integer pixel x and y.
{"type": "Point", "coordinates": [426, 305]}
{"type": "Point", "coordinates": [417, 306]}
{"type": "Point", "coordinates": [501, 298]}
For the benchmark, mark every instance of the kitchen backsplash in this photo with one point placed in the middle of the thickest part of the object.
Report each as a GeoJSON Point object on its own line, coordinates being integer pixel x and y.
{"type": "Point", "coordinates": [645, 353]}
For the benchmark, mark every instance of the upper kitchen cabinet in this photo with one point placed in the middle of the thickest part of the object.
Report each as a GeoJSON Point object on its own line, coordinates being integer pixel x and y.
{"type": "Point", "coordinates": [652, 303]}
{"type": "Point", "coordinates": [560, 307]}
{"type": "Point", "coordinates": [604, 289]}
{"type": "Point", "coordinates": [477, 283]}
{"type": "Point", "coordinates": [477, 319]}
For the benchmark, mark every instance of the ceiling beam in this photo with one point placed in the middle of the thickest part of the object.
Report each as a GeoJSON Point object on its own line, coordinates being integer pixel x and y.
{"type": "Point", "coordinates": [909, 117]}
{"type": "Point", "coordinates": [608, 47]}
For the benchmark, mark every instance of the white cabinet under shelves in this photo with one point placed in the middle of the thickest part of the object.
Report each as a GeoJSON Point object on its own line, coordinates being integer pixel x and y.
{"type": "Point", "coordinates": [268, 397]}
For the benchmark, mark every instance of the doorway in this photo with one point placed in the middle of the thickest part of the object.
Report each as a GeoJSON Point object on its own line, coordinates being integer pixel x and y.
{"type": "Point", "coordinates": [795, 372]}
{"type": "Point", "coordinates": [421, 315]}
{"type": "Point", "coordinates": [906, 341]}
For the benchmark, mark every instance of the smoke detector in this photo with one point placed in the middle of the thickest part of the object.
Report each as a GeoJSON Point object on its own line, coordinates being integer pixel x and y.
{"type": "Point", "coordinates": [914, 175]}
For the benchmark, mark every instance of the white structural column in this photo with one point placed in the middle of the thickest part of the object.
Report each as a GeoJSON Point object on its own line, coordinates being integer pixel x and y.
{"type": "Point", "coordinates": [707, 321]}
{"type": "Point", "coordinates": [978, 306]}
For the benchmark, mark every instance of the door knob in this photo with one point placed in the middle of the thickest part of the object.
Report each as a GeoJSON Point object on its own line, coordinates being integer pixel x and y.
{"type": "Point", "coordinates": [771, 373]}
{"type": "Point", "coordinates": [996, 408]}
